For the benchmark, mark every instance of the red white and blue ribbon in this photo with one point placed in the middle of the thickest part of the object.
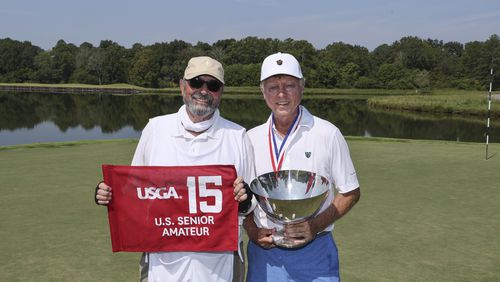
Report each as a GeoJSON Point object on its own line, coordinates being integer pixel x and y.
{"type": "Point", "coordinates": [277, 155]}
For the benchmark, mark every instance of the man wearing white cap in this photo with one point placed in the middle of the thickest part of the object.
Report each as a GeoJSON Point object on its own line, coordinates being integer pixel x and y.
{"type": "Point", "coordinates": [195, 135]}
{"type": "Point", "coordinates": [293, 139]}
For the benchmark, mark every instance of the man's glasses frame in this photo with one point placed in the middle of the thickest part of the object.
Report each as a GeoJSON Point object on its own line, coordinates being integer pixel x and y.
{"type": "Point", "coordinates": [213, 84]}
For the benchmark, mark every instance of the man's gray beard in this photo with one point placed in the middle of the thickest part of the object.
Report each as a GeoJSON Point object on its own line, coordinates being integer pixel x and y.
{"type": "Point", "coordinates": [200, 110]}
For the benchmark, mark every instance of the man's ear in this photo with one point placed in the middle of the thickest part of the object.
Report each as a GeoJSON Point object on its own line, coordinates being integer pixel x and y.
{"type": "Point", "coordinates": [182, 86]}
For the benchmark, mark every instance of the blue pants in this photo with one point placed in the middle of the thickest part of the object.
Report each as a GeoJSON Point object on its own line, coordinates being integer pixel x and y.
{"type": "Point", "coordinates": [317, 261]}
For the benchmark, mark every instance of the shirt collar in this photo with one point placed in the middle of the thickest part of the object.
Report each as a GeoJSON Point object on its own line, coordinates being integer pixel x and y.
{"type": "Point", "coordinates": [307, 119]}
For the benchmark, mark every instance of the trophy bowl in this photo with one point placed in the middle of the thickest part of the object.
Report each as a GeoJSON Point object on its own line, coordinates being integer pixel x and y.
{"type": "Point", "coordinates": [290, 196]}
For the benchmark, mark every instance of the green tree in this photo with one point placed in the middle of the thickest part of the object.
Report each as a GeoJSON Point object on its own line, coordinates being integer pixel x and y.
{"type": "Point", "coordinates": [341, 54]}
{"type": "Point", "coordinates": [63, 60]}
{"type": "Point", "coordinates": [242, 75]}
{"type": "Point", "coordinates": [95, 64]}
{"type": "Point", "coordinates": [251, 50]}
{"type": "Point", "coordinates": [383, 54]}
{"type": "Point", "coordinates": [493, 48]}
{"type": "Point", "coordinates": [145, 70]}
{"type": "Point", "coordinates": [393, 76]}
{"type": "Point", "coordinates": [416, 53]}
{"type": "Point", "coordinates": [449, 66]}
{"type": "Point", "coordinates": [349, 75]}
{"type": "Point", "coordinates": [45, 72]}
{"type": "Point", "coordinates": [113, 61]}
{"type": "Point", "coordinates": [327, 74]}
{"type": "Point", "coordinates": [421, 79]}
{"type": "Point", "coordinates": [171, 59]}
{"type": "Point", "coordinates": [17, 60]}
{"type": "Point", "coordinates": [221, 50]}
{"type": "Point", "coordinates": [85, 71]}
{"type": "Point", "coordinates": [478, 58]}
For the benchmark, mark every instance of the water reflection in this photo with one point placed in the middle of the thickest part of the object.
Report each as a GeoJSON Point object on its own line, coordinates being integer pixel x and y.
{"type": "Point", "coordinates": [32, 117]}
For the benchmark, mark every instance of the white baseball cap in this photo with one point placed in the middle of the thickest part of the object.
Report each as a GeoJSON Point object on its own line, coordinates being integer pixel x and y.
{"type": "Point", "coordinates": [280, 63]}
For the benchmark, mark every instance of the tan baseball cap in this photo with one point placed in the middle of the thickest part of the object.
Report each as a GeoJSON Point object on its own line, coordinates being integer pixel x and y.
{"type": "Point", "coordinates": [204, 66]}
{"type": "Point", "coordinates": [280, 63]}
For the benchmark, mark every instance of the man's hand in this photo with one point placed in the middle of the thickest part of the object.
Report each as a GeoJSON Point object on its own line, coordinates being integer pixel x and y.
{"type": "Point", "coordinates": [240, 193]}
{"type": "Point", "coordinates": [260, 236]}
{"type": "Point", "coordinates": [300, 233]}
{"type": "Point", "coordinates": [243, 195]}
{"type": "Point", "coordinates": [103, 194]}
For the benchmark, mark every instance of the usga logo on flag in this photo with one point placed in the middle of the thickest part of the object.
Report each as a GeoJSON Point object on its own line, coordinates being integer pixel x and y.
{"type": "Point", "coordinates": [160, 193]}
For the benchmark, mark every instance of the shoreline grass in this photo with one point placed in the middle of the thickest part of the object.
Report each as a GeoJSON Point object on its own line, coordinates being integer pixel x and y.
{"type": "Point", "coordinates": [65, 143]}
{"type": "Point", "coordinates": [428, 212]}
{"type": "Point", "coordinates": [449, 101]}
{"type": "Point", "coordinates": [460, 103]}
{"type": "Point", "coordinates": [255, 90]}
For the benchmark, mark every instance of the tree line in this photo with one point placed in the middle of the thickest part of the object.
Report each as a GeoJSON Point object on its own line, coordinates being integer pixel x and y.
{"type": "Point", "coordinates": [409, 63]}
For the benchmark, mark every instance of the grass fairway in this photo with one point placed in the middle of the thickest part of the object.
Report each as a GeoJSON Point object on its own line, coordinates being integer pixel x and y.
{"type": "Point", "coordinates": [51, 228]}
{"type": "Point", "coordinates": [429, 211]}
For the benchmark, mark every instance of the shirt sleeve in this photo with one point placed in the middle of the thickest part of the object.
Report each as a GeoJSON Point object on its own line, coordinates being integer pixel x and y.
{"type": "Point", "coordinates": [248, 168]}
{"type": "Point", "coordinates": [343, 172]}
{"type": "Point", "coordinates": [142, 149]}
{"type": "Point", "coordinates": [248, 172]}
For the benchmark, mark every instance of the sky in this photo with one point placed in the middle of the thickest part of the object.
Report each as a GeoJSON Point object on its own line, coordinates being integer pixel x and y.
{"type": "Point", "coordinates": [368, 23]}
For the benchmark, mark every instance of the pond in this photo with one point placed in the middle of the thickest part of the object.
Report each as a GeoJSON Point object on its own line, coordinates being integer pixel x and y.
{"type": "Point", "coordinates": [32, 117]}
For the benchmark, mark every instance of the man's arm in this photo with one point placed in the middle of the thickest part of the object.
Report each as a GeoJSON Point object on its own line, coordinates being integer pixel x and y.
{"type": "Point", "coordinates": [260, 236]}
{"type": "Point", "coordinates": [341, 205]}
{"type": "Point", "coordinates": [306, 231]}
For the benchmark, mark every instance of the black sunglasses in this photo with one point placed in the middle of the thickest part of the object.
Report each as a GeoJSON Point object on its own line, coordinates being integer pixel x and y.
{"type": "Point", "coordinates": [212, 84]}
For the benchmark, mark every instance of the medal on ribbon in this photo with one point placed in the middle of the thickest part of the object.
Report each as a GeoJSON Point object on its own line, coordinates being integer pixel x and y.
{"type": "Point", "coordinates": [277, 155]}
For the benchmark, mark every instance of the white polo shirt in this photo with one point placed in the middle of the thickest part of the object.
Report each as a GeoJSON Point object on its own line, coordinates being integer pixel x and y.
{"type": "Point", "coordinates": [317, 146]}
{"type": "Point", "coordinates": [165, 142]}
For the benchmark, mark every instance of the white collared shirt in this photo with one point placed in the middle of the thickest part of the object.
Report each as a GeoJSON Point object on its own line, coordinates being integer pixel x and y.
{"type": "Point", "coordinates": [317, 146]}
{"type": "Point", "coordinates": [165, 142]}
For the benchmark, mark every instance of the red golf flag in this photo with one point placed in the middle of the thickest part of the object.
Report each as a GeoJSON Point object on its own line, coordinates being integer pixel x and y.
{"type": "Point", "coordinates": [183, 208]}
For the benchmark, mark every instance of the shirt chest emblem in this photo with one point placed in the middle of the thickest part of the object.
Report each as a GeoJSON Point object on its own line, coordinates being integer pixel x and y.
{"type": "Point", "coordinates": [308, 154]}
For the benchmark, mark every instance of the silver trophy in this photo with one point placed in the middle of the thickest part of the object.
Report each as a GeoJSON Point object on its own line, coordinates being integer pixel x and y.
{"type": "Point", "coordinates": [290, 196]}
